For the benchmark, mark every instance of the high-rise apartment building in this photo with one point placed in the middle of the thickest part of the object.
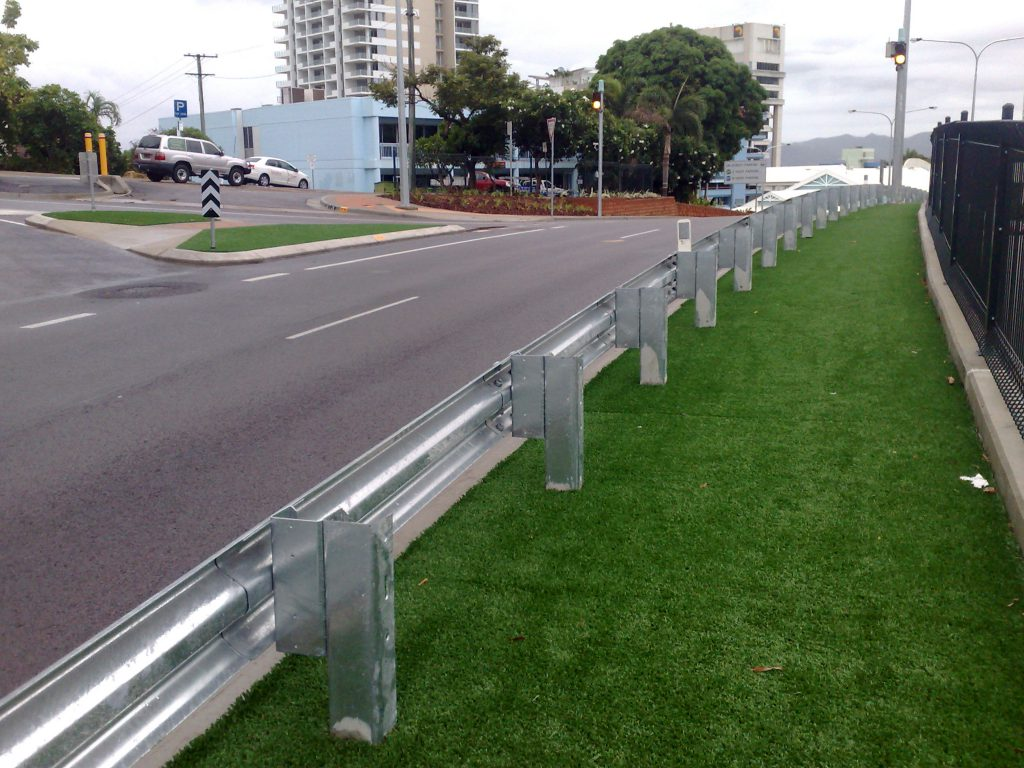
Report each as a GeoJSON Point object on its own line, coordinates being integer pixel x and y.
{"type": "Point", "coordinates": [335, 48]}
{"type": "Point", "coordinates": [761, 47]}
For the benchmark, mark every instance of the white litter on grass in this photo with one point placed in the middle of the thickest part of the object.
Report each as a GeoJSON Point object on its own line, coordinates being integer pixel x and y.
{"type": "Point", "coordinates": [977, 481]}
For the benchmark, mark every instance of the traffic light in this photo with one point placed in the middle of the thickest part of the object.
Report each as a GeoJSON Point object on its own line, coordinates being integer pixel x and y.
{"type": "Point", "coordinates": [597, 101]}
{"type": "Point", "coordinates": [899, 54]}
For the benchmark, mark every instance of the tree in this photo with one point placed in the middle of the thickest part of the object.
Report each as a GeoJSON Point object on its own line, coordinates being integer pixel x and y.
{"type": "Point", "coordinates": [575, 123]}
{"type": "Point", "coordinates": [474, 100]}
{"type": "Point", "coordinates": [675, 78]}
{"type": "Point", "coordinates": [52, 122]}
{"type": "Point", "coordinates": [14, 53]}
{"type": "Point", "coordinates": [102, 109]}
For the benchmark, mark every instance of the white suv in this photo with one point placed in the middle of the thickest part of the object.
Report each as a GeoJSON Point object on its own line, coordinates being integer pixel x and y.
{"type": "Point", "coordinates": [180, 158]}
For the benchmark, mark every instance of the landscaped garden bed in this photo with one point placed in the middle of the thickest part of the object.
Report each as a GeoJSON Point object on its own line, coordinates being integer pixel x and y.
{"type": "Point", "coordinates": [469, 201]}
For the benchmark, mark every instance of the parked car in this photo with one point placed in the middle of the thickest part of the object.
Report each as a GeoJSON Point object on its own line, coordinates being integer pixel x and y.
{"type": "Point", "coordinates": [273, 170]}
{"type": "Point", "coordinates": [487, 183]}
{"type": "Point", "coordinates": [181, 158]}
{"type": "Point", "coordinates": [529, 186]}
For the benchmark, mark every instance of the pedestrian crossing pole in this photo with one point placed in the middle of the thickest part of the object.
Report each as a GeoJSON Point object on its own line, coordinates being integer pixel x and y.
{"type": "Point", "coordinates": [209, 197]}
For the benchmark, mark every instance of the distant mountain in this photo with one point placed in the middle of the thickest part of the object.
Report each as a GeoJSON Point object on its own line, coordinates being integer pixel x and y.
{"type": "Point", "coordinates": [829, 151]}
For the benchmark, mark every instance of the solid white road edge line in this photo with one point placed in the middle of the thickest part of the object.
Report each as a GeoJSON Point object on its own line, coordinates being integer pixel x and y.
{"type": "Point", "coordinates": [353, 317]}
{"type": "Point", "coordinates": [425, 248]}
{"type": "Point", "coordinates": [67, 319]}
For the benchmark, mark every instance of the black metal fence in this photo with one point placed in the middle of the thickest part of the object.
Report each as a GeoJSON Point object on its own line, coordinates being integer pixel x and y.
{"type": "Point", "coordinates": [976, 204]}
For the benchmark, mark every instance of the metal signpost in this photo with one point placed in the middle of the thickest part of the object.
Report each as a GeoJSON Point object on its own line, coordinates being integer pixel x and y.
{"type": "Point", "coordinates": [180, 111]}
{"type": "Point", "coordinates": [209, 197]}
{"type": "Point", "coordinates": [551, 135]}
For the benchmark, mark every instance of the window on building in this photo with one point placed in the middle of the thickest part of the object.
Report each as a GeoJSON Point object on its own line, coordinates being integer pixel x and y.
{"type": "Point", "coordinates": [771, 46]}
{"type": "Point", "coordinates": [765, 66]}
{"type": "Point", "coordinates": [763, 80]}
{"type": "Point", "coordinates": [247, 140]}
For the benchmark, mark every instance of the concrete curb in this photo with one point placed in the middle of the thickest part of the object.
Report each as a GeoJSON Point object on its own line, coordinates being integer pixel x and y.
{"type": "Point", "coordinates": [164, 246]}
{"type": "Point", "coordinates": [999, 434]}
{"type": "Point", "coordinates": [180, 256]}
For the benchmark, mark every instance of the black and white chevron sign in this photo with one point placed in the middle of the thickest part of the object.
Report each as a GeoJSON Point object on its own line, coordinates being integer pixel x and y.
{"type": "Point", "coordinates": [209, 195]}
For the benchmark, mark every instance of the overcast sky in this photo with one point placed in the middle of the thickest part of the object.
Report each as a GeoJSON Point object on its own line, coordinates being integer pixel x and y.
{"type": "Point", "coordinates": [133, 52]}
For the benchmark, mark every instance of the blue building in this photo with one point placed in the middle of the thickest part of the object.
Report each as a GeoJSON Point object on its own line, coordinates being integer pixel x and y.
{"type": "Point", "coordinates": [348, 143]}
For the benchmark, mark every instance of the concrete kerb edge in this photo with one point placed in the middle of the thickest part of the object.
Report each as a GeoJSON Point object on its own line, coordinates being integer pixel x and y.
{"type": "Point", "coordinates": [999, 434]}
{"type": "Point", "coordinates": [180, 256]}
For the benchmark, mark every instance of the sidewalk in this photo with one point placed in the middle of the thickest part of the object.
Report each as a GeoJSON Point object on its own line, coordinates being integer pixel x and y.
{"type": "Point", "coordinates": [773, 560]}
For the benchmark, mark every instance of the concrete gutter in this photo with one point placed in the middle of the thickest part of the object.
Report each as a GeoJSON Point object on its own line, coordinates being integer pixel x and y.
{"type": "Point", "coordinates": [161, 241]}
{"type": "Point", "coordinates": [999, 434]}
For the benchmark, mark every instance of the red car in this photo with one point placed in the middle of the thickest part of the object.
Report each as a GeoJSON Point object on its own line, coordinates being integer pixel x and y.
{"type": "Point", "coordinates": [487, 183]}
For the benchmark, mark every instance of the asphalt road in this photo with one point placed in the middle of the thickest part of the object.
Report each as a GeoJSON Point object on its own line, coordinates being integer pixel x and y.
{"type": "Point", "coordinates": [172, 408]}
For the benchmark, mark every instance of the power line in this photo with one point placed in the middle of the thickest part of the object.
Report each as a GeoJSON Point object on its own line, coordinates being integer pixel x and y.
{"type": "Point", "coordinates": [147, 80]}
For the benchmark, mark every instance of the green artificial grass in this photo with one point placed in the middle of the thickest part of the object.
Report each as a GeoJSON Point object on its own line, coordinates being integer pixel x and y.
{"type": "Point", "coordinates": [791, 500]}
{"type": "Point", "coordinates": [233, 239]}
{"type": "Point", "coordinates": [132, 218]}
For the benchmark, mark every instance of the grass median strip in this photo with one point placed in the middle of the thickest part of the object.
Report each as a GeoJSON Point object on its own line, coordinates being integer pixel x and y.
{"type": "Point", "coordinates": [130, 218]}
{"type": "Point", "coordinates": [772, 562]}
{"type": "Point", "coordinates": [234, 239]}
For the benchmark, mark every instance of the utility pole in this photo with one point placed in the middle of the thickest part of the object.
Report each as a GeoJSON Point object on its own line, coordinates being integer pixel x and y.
{"type": "Point", "coordinates": [199, 75]}
{"type": "Point", "coordinates": [896, 172]}
{"type": "Point", "coordinates": [409, 14]}
{"type": "Point", "coordinates": [403, 154]}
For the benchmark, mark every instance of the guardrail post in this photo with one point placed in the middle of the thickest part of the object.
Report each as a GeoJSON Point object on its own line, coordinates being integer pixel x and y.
{"type": "Point", "coordinates": [727, 247]}
{"type": "Point", "coordinates": [833, 203]}
{"type": "Point", "coordinates": [756, 222]}
{"type": "Point", "coordinates": [547, 404]}
{"type": "Point", "coordinates": [686, 262]}
{"type": "Point", "coordinates": [770, 240]}
{"type": "Point", "coordinates": [359, 596]}
{"type": "Point", "coordinates": [844, 201]}
{"type": "Point", "coordinates": [821, 208]}
{"type": "Point", "coordinates": [807, 215]}
{"type": "Point", "coordinates": [641, 322]}
{"type": "Point", "coordinates": [706, 313]}
{"type": "Point", "coordinates": [790, 214]}
{"type": "Point", "coordinates": [743, 267]}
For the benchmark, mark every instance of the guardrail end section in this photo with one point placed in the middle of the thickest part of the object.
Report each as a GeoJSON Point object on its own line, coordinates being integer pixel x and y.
{"type": "Point", "coordinates": [360, 578]}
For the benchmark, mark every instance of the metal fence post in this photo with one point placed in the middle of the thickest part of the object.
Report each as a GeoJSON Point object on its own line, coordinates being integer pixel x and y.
{"type": "Point", "coordinates": [743, 267]}
{"type": "Point", "coordinates": [790, 213]}
{"type": "Point", "coordinates": [727, 247]}
{"type": "Point", "coordinates": [359, 595]}
{"type": "Point", "coordinates": [770, 241]}
{"type": "Point", "coordinates": [547, 404]}
{"type": "Point", "coordinates": [706, 314]}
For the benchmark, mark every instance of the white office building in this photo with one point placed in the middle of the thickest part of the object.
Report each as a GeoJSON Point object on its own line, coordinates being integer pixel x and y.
{"type": "Point", "coordinates": [762, 47]}
{"type": "Point", "coordinates": [337, 48]}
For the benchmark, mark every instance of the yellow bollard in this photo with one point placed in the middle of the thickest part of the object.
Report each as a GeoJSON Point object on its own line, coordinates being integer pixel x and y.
{"type": "Point", "coordinates": [88, 142]}
{"type": "Point", "coordinates": [101, 139]}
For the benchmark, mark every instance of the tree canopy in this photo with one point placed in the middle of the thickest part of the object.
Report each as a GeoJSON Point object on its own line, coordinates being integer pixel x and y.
{"type": "Point", "coordinates": [687, 85]}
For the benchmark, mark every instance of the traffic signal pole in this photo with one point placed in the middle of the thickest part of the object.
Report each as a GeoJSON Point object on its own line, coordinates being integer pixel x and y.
{"type": "Point", "coordinates": [896, 173]}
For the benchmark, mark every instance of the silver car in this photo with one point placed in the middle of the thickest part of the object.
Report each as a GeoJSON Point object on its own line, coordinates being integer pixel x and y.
{"type": "Point", "coordinates": [181, 158]}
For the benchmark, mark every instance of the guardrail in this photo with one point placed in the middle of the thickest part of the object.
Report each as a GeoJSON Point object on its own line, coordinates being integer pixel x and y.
{"type": "Point", "coordinates": [316, 577]}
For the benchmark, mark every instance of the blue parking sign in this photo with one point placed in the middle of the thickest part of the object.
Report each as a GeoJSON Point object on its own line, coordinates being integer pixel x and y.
{"type": "Point", "coordinates": [180, 108]}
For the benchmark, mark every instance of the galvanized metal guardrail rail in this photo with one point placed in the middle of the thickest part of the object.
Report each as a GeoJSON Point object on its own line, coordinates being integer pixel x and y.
{"type": "Point", "coordinates": [316, 578]}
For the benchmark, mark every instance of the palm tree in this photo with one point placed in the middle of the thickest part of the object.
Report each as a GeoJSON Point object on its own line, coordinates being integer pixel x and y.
{"type": "Point", "coordinates": [682, 114]}
{"type": "Point", "coordinates": [101, 108]}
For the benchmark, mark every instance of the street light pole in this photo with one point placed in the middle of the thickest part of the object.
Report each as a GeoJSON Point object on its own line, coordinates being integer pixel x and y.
{"type": "Point", "coordinates": [403, 156]}
{"type": "Point", "coordinates": [600, 148]}
{"type": "Point", "coordinates": [892, 158]}
{"type": "Point", "coordinates": [977, 57]}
